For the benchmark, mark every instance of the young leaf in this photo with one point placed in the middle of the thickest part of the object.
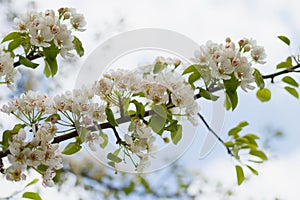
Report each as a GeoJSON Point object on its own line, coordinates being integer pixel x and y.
{"type": "Point", "coordinates": [27, 63]}
{"type": "Point", "coordinates": [32, 195]}
{"type": "Point", "coordinates": [50, 54]}
{"type": "Point", "coordinates": [157, 123]}
{"type": "Point", "coordinates": [11, 36]}
{"type": "Point", "coordinates": [259, 154]}
{"type": "Point", "coordinates": [140, 109]}
{"type": "Point", "coordinates": [160, 110]}
{"type": "Point", "coordinates": [292, 91]}
{"type": "Point", "coordinates": [285, 64]}
{"type": "Point", "coordinates": [110, 117]}
{"type": "Point", "coordinates": [240, 174]}
{"type": "Point", "coordinates": [71, 148]}
{"type": "Point", "coordinates": [158, 67]}
{"type": "Point", "coordinates": [230, 89]}
{"type": "Point", "coordinates": [290, 80]}
{"type": "Point", "coordinates": [176, 135]}
{"type": "Point", "coordinates": [263, 94]}
{"type": "Point", "coordinates": [253, 170]}
{"type": "Point", "coordinates": [105, 139]}
{"type": "Point", "coordinates": [113, 158]}
{"type": "Point", "coordinates": [47, 70]}
{"type": "Point", "coordinates": [258, 79]}
{"type": "Point", "coordinates": [14, 44]}
{"type": "Point", "coordinates": [78, 46]}
{"type": "Point", "coordinates": [34, 181]}
{"type": "Point", "coordinates": [285, 39]}
{"type": "Point", "coordinates": [207, 95]}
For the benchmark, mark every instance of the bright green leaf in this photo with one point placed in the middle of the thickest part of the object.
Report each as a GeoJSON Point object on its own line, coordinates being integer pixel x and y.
{"type": "Point", "coordinates": [11, 36]}
{"type": "Point", "coordinates": [231, 86]}
{"type": "Point", "coordinates": [259, 154]}
{"type": "Point", "coordinates": [207, 95]}
{"type": "Point", "coordinates": [50, 54]}
{"type": "Point", "coordinates": [140, 109]}
{"type": "Point", "coordinates": [258, 79]}
{"type": "Point", "coordinates": [285, 39]}
{"type": "Point", "coordinates": [34, 181]}
{"type": "Point", "coordinates": [14, 44]}
{"type": "Point", "coordinates": [78, 46]}
{"type": "Point", "coordinates": [176, 135]}
{"type": "Point", "coordinates": [105, 139]}
{"type": "Point", "coordinates": [292, 91]}
{"type": "Point", "coordinates": [26, 62]}
{"type": "Point", "coordinates": [71, 148]}
{"type": "Point", "coordinates": [290, 80]}
{"type": "Point", "coordinates": [285, 64]}
{"type": "Point", "coordinates": [32, 195]}
{"type": "Point", "coordinates": [114, 158]}
{"type": "Point", "coordinates": [263, 94]}
{"type": "Point", "coordinates": [253, 170]}
{"type": "Point", "coordinates": [110, 117]}
{"type": "Point", "coordinates": [47, 70]}
{"type": "Point", "coordinates": [240, 174]}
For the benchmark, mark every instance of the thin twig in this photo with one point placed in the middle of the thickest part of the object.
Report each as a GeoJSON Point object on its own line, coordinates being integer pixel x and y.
{"type": "Point", "coordinates": [214, 133]}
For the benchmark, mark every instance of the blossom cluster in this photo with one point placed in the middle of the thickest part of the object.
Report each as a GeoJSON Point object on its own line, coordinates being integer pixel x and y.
{"type": "Point", "coordinates": [39, 151]}
{"type": "Point", "coordinates": [7, 70]}
{"type": "Point", "coordinates": [46, 27]}
{"type": "Point", "coordinates": [228, 58]}
{"type": "Point", "coordinates": [166, 86]}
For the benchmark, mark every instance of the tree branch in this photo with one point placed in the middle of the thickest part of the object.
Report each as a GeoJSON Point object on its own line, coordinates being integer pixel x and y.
{"type": "Point", "coordinates": [285, 71]}
{"type": "Point", "coordinates": [214, 133]}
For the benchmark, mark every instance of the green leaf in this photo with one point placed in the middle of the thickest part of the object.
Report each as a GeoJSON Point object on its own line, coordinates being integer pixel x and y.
{"type": "Point", "coordinates": [110, 117]}
{"type": "Point", "coordinates": [207, 95]}
{"type": "Point", "coordinates": [34, 181]}
{"type": "Point", "coordinates": [159, 66]}
{"type": "Point", "coordinates": [78, 46]}
{"type": "Point", "coordinates": [234, 131]}
{"type": "Point", "coordinates": [290, 80]}
{"type": "Point", "coordinates": [258, 79]}
{"type": "Point", "coordinates": [6, 137]}
{"type": "Point", "coordinates": [230, 89]}
{"type": "Point", "coordinates": [71, 148]}
{"type": "Point", "coordinates": [253, 170]}
{"type": "Point", "coordinates": [114, 158]}
{"type": "Point", "coordinates": [160, 110]}
{"type": "Point", "coordinates": [26, 62]}
{"type": "Point", "coordinates": [285, 39]}
{"type": "Point", "coordinates": [157, 123]}
{"type": "Point", "coordinates": [259, 154]}
{"type": "Point", "coordinates": [50, 54]}
{"type": "Point", "coordinates": [292, 91]}
{"type": "Point", "coordinates": [240, 174]}
{"type": "Point", "coordinates": [177, 135]}
{"type": "Point", "coordinates": [47, 70]}
{"type": "Point", "coordinates": [32, 195]}
{"type": "Point", "coordinates": [263, 94]}
{"type": "Point", "coordinates": [198, 71]}
{"type": "Point", "coordinates": [11, 36]}
{"type": "Point", "coordinates": [285, 64]}
{"type": "Point", "coordinates": [105, 139]}
{"type": "Point", "coordinates": [82, 133]}
{"type": "Point", "coordinates": [140, 109]}
{"type": "Point", "coordinates": [14, 44]}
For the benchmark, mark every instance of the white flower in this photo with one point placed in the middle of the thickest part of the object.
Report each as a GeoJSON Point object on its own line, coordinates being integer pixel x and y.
{"type": "Point", "coordinates": [258, 54]}
{"type": "Point", "coordinates": [78, 21]}
{"type": "Point", "coordinates": [97, 112]}
{"type": "Point", "coordinates": [48, 178]}
{"type": "Point", "coordinates": [15, 173]}
{"type": "Point", "coordinates": [93, 138]}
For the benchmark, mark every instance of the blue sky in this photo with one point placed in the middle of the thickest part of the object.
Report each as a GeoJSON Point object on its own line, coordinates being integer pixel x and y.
{"type": "Point", "coordinates": [215, 20]}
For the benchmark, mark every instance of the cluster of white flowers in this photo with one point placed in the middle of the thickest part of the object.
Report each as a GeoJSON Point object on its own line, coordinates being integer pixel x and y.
{"type": "Point", "coordinates": [141, 143]}
{"type": "Point", "coordinates": [7, 69]}
{"type": "Point", "coordinates": [165, 86]}
{"type": "Point", "coordinates": [46, 27]}
{"type": "Point", "coordinates": [225, 59]}
{"type": "Point", "coordinates": [38, 151]}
